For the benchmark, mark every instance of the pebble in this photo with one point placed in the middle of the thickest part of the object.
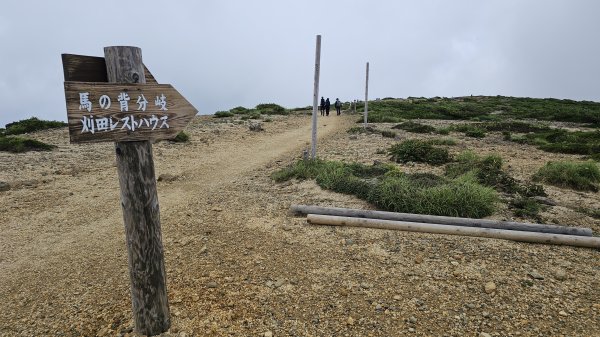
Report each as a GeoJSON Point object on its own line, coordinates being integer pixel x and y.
{"type": "Point", "coordinates": [535, 275]}
{"type": "Point", "coordinates": [365, 285]}
{"type": "Point", "coordinates": [418, 259]}
{"type": "Point", "coordinates": [560, 275]}
{"type": "Point", "coordinates": [484, 334]}
{"type": "Point", "coordinates": [397, 297]}
{"type": "Point", "coordinates": [350, 321]}
{"type": "Point", "coordinates": [412, 319]}
{"type": "Point", "coordinates": [268, 334]}
{"type": "Point", "coordinates": [563, 313]}
{"type": "Point", "coordinates": [212, 284]}
{"type": "Point", "coordinates": [490, 287]}
{"type": "Point", "coordinates": [454, 263]}
{"type": "Point", "coordinates": [279, 283]}
{"type": "Point", "coordinates": [4, 186]}
{"type": "Point", "coordinates": [411, 330]}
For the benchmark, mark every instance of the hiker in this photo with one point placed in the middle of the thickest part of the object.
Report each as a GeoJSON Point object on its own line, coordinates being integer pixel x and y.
{"type": "Point", "coordinates": [338, 106]}
{"type": "Point", "coordinates": [322, 107]}
{"type": "Point", "coordinates": [327, 106]}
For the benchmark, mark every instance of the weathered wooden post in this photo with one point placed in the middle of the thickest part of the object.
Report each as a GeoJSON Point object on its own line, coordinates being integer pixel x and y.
{"type": "Point", "coordinates": [313, 152]}
{"type": "Point", "coordinates": [139, 200]}
{"type": "Point", "coordinates": [366, 97]}
{"type": "Point", "coordinates": [120, 112]}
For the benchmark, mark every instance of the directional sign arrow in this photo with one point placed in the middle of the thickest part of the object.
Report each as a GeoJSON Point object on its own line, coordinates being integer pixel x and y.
{"type": "Point", "coordinates": [114, 112]}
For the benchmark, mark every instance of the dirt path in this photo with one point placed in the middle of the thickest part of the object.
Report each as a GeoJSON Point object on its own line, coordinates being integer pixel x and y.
{"type": "Point", "coordinates": [66, 226]}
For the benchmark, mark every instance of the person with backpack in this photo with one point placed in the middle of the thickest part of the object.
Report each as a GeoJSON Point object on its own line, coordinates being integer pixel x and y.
{"type": "Point", "coordinates": [327, 106]}
{"type": "Point", "coordinates": [338, 106]}
{"type": "Point", "coordinates": [322, 107]}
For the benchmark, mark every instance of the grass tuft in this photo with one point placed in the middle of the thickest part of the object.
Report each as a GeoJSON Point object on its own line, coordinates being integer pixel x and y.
{"type": "Point", "coordinates": [583, 176]}
{"type": "Point", "coordinates": [415, 127]}
{"type": "Point", "coordinates": [181, 137]}
{"type": "Point", "coordinates": [414, 150]}
{"type": "Point", "coordinates": [19, 145]}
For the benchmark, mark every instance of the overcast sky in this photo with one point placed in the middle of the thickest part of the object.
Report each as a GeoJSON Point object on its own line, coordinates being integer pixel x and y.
{"type": "Point", "coordinates": [225, 53]}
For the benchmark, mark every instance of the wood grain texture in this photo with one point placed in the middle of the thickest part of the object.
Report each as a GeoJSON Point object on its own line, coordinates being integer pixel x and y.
{"type": "Point", "coordinates": [81, 68]}
{"type": "Point", "coordinates": [179, 112]}
{"type": "Point", "coordinates": [139, 200]}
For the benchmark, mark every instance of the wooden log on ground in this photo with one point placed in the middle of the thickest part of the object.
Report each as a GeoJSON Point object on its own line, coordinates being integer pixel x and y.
{"type": "Point", "coordinates": [442, 220]}
{"type": "Point", "coordinates": [532, 237]}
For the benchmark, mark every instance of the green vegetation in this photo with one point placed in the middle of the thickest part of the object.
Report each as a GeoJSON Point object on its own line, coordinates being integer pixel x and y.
{"type": "Point", "coordinates": [271, 109]}
{"type": "Point", "coordinates": [584, 176]}
{"type": "Point", "coordinates": [483, 108]}
{"type": "Point", "coordinates": [389, 189]}
{"type": "Point", "coordinates": [30, 125]}
{"type": "Point", "coordinates": [181, 137]}
{"type": "Point", "coordinates": [19, 144]}
{"type": "Point", "coordinates": [414, 127]}
{"type": "Point", "coordinates": [414, 150]}
{"type": "Point", "coordinates": [441, 141]}
{"type": "Point", "coordinates": [223, 114]}
{"type": "Point", "coordinates": [239, 110]}
{"type": "Point", "coordinates": [388, 134]}
{"type": "Point", "coordinates": [371, 130]}
{"type": "Point", "coordinates": [253, 114]}
{"type": "Point", "coordinates": [561, 141]}
{"type": "Point", "coordinates": [488, 172]}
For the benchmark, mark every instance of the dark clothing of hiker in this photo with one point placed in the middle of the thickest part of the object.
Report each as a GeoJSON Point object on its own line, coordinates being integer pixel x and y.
{"type": "Point", "coordinates": [338, 106]}
{"type": "Point", "coordinates": [327, 106]}
{"type": "Point", "coordinates": [322, 107]}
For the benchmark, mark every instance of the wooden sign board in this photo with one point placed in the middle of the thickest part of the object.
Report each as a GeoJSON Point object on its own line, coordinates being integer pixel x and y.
{"type": "Point", "coordinates": [82, 68]}
{"type": "Point", "coordinates": [103, 112]}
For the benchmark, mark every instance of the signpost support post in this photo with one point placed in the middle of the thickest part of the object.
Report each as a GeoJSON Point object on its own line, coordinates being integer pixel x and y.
{"type": "Point", "coordinates": [139, 200]}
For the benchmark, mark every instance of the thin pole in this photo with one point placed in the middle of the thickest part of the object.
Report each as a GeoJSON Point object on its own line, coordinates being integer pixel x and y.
{"type": "Point", "coordinates": [366, 97]}
{"type": "Point", "coordinates": [313, 152]}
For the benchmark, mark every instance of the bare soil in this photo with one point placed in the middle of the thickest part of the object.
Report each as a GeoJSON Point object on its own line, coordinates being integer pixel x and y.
{"type": "Point", "coordinates": [239, 264]}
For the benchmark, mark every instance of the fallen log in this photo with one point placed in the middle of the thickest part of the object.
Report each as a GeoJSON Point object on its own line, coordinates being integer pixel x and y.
{"type": "Point", "coordinates": [442, 220]}
{"type": "Point", "coordinates": [522, 236]}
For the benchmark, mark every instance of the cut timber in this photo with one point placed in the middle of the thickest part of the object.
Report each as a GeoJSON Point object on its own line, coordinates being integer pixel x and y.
{"type": "Point", "coordinates": [442, 220]}
{"type": "Point", "coordinates": [553, 239]}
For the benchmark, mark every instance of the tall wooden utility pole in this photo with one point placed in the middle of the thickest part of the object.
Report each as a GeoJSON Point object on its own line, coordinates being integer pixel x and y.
{"type": "Point", "coordinates": [366, 97]}
{"type": "Point", "coordinates": [313, 151]}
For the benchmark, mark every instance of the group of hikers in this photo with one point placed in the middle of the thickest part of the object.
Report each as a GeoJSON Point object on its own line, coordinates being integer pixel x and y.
{"type": "Point", "coordinates": [326, 104]}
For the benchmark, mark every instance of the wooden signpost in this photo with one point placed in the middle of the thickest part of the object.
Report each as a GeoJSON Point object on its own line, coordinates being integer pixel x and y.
{"type": "Point", "coordinates": [116, 99]}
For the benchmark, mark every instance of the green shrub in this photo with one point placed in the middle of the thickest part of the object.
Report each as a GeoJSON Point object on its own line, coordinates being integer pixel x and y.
{"type": "Point", "coordinates": [271, 109]}
{"type": "Point", "coordinates": [414, 127]}
{"type": "Point", "coordinates": [414, 150]}
{"type": "Point", "coordinates": [30, 125]}
{"type": "Point", "coordinates": [19, 144]}
{"type": "Point", "coordinates": [475, 133]}
{"type": "Point", "coordinates": [223, 114]}
{"type": "Point", "coordinates": [526, 207]}
{"type": "Point", "coordinates": [583, 176]}
{"type": "Point", "coordinates": [181, 137]}
{"type": "Point", "coordinates": [443, 131]}
{"type": "Point", "coordinates": [388, 134]}
{"type": "Point", "coordinates": [389, 189]}
{"type": "Point", "coordinates": [253, 114]}
{"type": "Point", "coordinates": [442, 141]}
{"type": "Point", "coordinates": [239, 110]}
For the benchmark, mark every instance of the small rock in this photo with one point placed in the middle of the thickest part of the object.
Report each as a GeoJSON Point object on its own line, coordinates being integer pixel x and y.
{"type": "Point", "coordinates": [348, 242]}
{"type": "Point", "coordinates": [365, 285]}
{"type": "Point", "coordinates": [350, 321]}
{"type": "Point", "coordinates": [217, 209]}
{"type": "Point", "coordinates": [4, 186]}
{"type": "Point", "coordinates": [212, 284]}
{"type": "Point", "coordinates": [256, 126]}
{"type": "Point", "coordinates": [412, 319]}
{"type": "Point", "coordinates": [418, 259]}
{"type": "Point", "coordinates": [545, 201]}
{"type": "Point", "coordinates": [268, 334]}
{"type": "Point", "coordinates": [485, 314]}
{"type": "Point", "coordinates": [411, 330]}
{"type": "Point", "coordinates": [560, 275]}
{"type": "Point", "coordinates": [378, 307]}
{"type": "Point", "coordinates": [397, 297]}
{"type": "Point", "coordinates": [471, 306]}
{"type": "Point", "coordinates": [166, 177]}
{"type": "Point", "coordinates": [484, 334]}
{"type": "Point", "coordinates": [490, 287]}
{"type": "Point", "coordinates": [535, 275]}
{"type": "Point", "coordinates": [353, 137]}
{"type": "Point", "coordinates": [563, 313]}
{"type": "Point", "coordinates": [454, 263]}
{"type": "Point", "coordinates": [279, 283]}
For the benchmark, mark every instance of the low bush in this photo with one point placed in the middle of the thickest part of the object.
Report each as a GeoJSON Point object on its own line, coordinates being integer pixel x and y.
{"type": "Point", "coordinates": [414, 127]}
{"type": "Point", "coordinates": [271, 109]}
{"type": "Point", "coordinates": [240, 110]}
{"type": "Point", "coordinates": [223, 114]}
{"type": "Point", "coordinates": [181, 137]}
{"type": "Point", "coordinates": [584, 176]}
{"type": "Point", "coordinates": [442, 141]}
{"type": "Point", "coordinates": [19, 144]}
{"type": "Point", "coordinates": [30, 125]}
{"type": "Point", "coordinates": [391, 190]}
{"type": "Point", "coordinates": [388, 134]}
{"type": "Point", "coordinates": [251, 115]}
{"type": "Point", "coordinates": [526, 207]}
{"type": "Point", "coordinates": [414, 150]}
{"type": "Point", "coordinates": [475, 133]}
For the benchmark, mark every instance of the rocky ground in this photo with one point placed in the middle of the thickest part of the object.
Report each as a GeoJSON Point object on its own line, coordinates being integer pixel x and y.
{"type": "Point", "coordinates": [239, 264]}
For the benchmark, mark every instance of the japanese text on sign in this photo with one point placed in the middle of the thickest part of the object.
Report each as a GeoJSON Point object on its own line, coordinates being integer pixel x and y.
{"type": "Point", "coordinates": [129, 122]}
